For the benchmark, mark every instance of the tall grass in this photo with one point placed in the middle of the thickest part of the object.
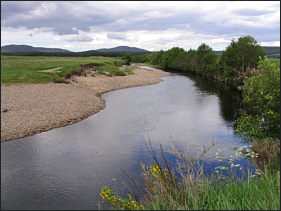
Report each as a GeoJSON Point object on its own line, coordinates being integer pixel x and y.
{"type": "Point", "coordinates": [269, 154]}
{"type": "Point", "coordinates": [192, 189]}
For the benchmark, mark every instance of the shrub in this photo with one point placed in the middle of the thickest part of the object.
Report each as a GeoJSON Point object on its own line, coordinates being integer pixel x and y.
{"type": "Point", "coordinates": [262, 92]}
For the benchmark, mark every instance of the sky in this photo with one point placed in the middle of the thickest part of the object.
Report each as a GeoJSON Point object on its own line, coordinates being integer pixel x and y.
{"type": "Point", "coordinates": [152, 25]}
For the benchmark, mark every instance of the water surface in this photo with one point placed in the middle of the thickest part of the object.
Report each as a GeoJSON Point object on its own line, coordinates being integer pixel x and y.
{"type": "Point", "coordinates": [66, 167]}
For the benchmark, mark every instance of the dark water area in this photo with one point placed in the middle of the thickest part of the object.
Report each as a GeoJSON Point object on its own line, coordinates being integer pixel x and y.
{"type": "Point", "coordinates": [65, 168]}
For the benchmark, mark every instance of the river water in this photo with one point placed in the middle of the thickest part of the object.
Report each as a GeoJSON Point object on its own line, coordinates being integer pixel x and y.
{"type": "Point", "coordinates": [65, 168]}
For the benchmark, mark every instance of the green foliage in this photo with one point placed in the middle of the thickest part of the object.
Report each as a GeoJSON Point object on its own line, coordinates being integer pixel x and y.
{"type": "Point", "coordinates": [243, 54]}
{"type": "Point", "coordinates": [209, 66]}
{"type": "Point", "coordinates": [189, 63]}
{"type": "Point", "coordinates": [262, 92]}
{"type": "Point", "coordinates": [128, 58]}
{"type": "Point", "coordinates": [156, 57]}
{"type": "Point", "coordinates": [118, 63]}
{"type": "Point", "coordinates": [237, 62]}
{"type": "Point", "coordinates": [202, 50]}
{"type": "Point", "coordinates": [276, 61]}
{"type": "Point", "coordinates": [171, 58]}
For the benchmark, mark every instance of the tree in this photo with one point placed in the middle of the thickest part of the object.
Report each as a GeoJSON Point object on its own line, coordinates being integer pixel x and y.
{"type": "Point", "coordinates": [209, 63]}
{"type": "Point", "coordinates": [170, 59]}
{"type": "Point", "coordinates": [128, 58]}
{"type": "Point", "coordinates": [243, 54]}
{"type": "Point", "coordinates": [202, 50]}
{"type": "Point", "coordinates": [190, 63]}
{"type": "Point", "coordinates": [262, 92]}
{"type": "Point", "coordinates": [156, 57]}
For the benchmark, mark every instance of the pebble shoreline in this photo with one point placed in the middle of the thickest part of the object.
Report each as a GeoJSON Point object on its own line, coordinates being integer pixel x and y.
{"type": "Point", "coordinates": [35, 108]}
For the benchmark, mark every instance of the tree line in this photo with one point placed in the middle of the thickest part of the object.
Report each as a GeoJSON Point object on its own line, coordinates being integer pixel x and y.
{"type": "Point", "coordinates": [238, 62]}
{"type": "Point", "coordinates": [243, 64]}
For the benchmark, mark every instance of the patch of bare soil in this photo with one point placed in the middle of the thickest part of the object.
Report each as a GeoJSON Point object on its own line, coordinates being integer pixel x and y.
{"type": "Point", "coordinates": [51, 70]}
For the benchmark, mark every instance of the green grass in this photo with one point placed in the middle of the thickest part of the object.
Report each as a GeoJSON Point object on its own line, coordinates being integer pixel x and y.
{"type": "Point", "coordinates": [129, 70]}
{"type": "Point", "coordinates": [275, 55]}
{"type": "Point", "coordinates": [109, 70]}
{"type": "Point", "coordinates": [260, 193]}
{"type": "Point", "coordinates": [276, 61]}
{"type": "Point", "coordinates": [26, 69]}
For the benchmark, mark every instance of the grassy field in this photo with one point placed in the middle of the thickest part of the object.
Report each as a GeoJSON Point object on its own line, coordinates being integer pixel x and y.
{"type": "Point", "coordinates": [275, 55]}
{"type": "Point", "coordinates": [276, 61]}
{"type": "Point", "coordinates": [26, 69]}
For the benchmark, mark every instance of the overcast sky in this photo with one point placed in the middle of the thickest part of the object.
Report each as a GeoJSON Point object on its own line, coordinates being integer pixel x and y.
{"type": "Point", "coordinates": [151, 25]}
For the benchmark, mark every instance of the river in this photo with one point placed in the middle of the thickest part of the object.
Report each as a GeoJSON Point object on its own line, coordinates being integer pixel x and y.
{"type": "Point", "coordinates": [65, 168]}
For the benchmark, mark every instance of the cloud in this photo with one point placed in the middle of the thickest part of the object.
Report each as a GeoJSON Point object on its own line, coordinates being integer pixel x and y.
{"type": "Point", "coordinates": [116, 36]}
{"type": "Point", "coordinates": [73, 38]}
{"type": "Point", "coordinates": [150, 24]}
{"type": "Point", "coordinates": [61, 16]}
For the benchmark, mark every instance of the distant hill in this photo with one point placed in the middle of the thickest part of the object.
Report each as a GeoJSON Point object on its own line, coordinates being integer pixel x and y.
{"type": "Point", "coordinates": [271, 51]}
{"type": "Point", "coordinates": [123, 48]}
{"type": "Point", "coordinates": [28, 48]}
{"type": "Point", "coordinates": [219, 52]}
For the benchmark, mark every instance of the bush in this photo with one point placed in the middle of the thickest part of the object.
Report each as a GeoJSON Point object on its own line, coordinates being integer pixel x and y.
{"type": "Point", "coordinates": [262, 92]}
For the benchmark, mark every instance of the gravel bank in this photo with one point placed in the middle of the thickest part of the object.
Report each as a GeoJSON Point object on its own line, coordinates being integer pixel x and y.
{"type": "Point", "coordinates": [34, 108]}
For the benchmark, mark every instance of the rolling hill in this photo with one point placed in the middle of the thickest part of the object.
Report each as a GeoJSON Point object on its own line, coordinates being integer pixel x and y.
{"type": "Point", "coordinates": [271, 51]}
{"type": "Point", "coordinates": [28, 48]}
{"type": "Point", "coordinates": [123, 48]}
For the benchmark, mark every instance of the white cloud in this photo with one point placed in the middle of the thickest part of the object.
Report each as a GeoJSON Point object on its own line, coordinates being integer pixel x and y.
{"type": "Point", "coordinates": [81, 37]}
{"type": "Point", "coordinates": [152, 25]}
{"type": "Point", "coordinates": [277, 43]}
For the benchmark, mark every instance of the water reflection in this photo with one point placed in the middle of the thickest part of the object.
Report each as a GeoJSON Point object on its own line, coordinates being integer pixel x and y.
{"type": "Point", "coordinates": [64, 168]}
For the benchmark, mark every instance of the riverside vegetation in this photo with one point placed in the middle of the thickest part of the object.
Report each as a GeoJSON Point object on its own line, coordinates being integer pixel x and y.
{"type": "Point", "coordinates": [185, 186]}
{"type": "Point", "coordinates": [238, 62]}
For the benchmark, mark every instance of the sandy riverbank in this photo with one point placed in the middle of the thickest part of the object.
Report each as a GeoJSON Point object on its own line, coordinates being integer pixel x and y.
{"type": "Point", "coordinates": [34, 108]}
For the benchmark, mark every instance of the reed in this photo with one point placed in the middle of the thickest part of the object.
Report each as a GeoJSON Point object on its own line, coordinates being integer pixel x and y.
{"type": "Point", "coordinates": [185, 186]}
